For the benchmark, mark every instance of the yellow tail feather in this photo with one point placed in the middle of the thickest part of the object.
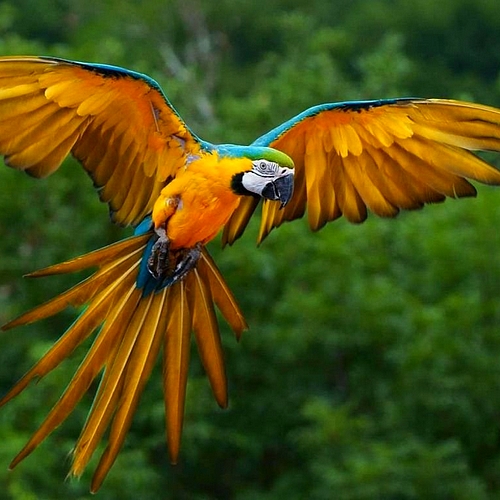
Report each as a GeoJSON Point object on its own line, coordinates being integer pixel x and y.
{"type": "Point", "coordinates": [129, 328]}
{"type": "Point", "coordinates": [175, 367]}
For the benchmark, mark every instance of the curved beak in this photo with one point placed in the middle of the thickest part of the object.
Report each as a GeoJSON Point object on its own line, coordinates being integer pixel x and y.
{"type": "Point", "coordinates": [280, 189]}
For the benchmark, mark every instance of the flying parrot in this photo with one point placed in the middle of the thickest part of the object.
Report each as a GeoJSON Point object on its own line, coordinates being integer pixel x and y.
{"type": "Point", "coordinates": [150, 291]}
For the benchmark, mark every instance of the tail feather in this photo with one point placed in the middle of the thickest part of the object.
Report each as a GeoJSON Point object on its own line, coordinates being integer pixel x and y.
{"type": "Point", "coordinates": [80, 383]}
{"type": "Point", "coordinates": [81, 329]}
{"type": "Point", "coordinates": [84, 291]}
{"type": "Point", "coordinates": [108, 345]}
{"type": "Point", "coordinates": [221, 294]}
{"type": "Point", "coordinates": [97, 258]}
{"type": "Point", "coordinates": [175, 366]}
{"type": "Point", "coordinates": [207, 335]}
{"type": "Point", "coordinates": [150, 324]}
{"type": "Point", "coordinates": [131, 325]}
{"type": "Point", "coordinates": [111, 388]}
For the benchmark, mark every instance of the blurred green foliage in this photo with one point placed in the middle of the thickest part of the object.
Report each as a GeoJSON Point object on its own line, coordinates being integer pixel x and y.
{"type": "Point", "coordinates": [372, 366]}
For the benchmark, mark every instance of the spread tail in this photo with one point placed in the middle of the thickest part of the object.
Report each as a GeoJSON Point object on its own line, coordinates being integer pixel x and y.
{"type": "Point", "coordinates": [130, 326]}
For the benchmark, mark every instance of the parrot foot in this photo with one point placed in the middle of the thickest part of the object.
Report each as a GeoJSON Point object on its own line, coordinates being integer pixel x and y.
{"type": "Point", "coordinates": [186, 260]}
{"type": "Point", "coordinates": [171, 266]}
{"type": "Point", "coordinates": [158, 260]}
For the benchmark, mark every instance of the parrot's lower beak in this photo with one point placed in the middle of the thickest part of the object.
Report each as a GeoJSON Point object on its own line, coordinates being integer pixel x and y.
{"type": "Point", "coordinates": [280, 189]}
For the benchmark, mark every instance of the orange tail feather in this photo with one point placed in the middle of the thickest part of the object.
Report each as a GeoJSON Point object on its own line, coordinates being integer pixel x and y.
{"type": "Point", "coordinates": [131, 328]}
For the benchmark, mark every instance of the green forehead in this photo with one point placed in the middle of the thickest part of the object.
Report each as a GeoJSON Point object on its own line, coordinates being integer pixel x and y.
{"type": "Point", "coordinates": [257, 153]}
{"type": "Point", "coordinates": [272, 155]}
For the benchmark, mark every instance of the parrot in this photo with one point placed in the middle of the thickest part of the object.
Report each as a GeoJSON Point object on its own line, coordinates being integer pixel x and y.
{"type": "Point", "coordinates": [147, 294]}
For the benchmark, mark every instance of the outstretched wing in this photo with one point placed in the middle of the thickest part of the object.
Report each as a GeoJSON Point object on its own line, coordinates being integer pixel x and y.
{"type": "Point", "coordinates": [382, 155]}
{"type": "Point", "coordinates": [116, 122]}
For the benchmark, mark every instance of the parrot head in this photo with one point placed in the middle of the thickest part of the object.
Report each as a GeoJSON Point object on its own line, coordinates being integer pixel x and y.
{"type": "Point", "coordinates": [270, 177]}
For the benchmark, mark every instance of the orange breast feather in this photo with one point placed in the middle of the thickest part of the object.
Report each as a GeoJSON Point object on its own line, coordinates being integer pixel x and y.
{"type": "Point", "coordinates": [203, 199]}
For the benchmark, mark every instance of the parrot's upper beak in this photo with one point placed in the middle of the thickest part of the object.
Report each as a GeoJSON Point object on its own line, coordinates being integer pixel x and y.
{"type": "Point", "coordinates": [279, 189]}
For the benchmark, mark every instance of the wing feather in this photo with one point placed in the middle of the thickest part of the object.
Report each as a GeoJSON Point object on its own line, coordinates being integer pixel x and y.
{"type": "Point", "coordinates": [384, 156]}
{"type": "Point", "coordinates": [271, 215]}
{"type": "Point", "coordinates": [239, 219]}
{"type": "Point", "coordinates": [38, 158]}
{"type": "Point", "coordinates": [355, 169]}
{"type": "Point", "coordinates": [16, 138]}
{"type": "Point", "coordinates": [450, 159]}
{"type": "Point", "coordinates": [382, 179]}
{"type": "Point", "coordinates": [139, 192]}
{"type": "Point", "coordinates": [117, 123]}
{"type": "Point", "coordinates": [314, 183]}
{"type": "Point", "coordinates": [349, 200]}
{"type": "Point", "coordinates": [411, 157]}
{"type": "Point", "coordinates": [409, 182]}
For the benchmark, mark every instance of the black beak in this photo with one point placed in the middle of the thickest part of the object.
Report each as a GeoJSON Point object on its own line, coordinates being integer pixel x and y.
{"type": "Point", "coordinates": [281, 189]}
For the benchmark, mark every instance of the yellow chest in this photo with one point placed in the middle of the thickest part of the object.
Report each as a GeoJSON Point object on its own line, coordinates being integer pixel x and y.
{"type": "Point", "coordinates": [204, 200]}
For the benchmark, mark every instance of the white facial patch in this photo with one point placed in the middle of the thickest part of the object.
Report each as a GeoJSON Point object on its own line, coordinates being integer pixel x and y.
{"type": "Point", "coordinates": [263, 172]}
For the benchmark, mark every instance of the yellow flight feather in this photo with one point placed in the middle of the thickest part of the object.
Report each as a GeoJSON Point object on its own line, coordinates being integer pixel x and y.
{"type": "Point", "coordinates": [111, 125]}
{"type": "Point", "coordinates": [355, 170]}
{"type": "Point", "coordinates": [348, 198]}
{"type": "Point", "coordinates": [19, 90]}
{"type": "Point", "coordinates": [238, 221]}
{"type": "Point", "coordinates": [108, 254]}
{"type": "Point", "coordinates": [313, 187]}
{"type": "Point", "coordinates": [80, 293]}
{"type": "Point", "coordinates": [385, 157]}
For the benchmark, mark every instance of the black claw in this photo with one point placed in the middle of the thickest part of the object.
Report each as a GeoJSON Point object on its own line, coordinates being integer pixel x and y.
{"type": "Point", "coordinates": [169, 267]}
{"type": "Point", "coordinates": [185, 264]}
{"type": "Point", "coordinates": [158, 261]}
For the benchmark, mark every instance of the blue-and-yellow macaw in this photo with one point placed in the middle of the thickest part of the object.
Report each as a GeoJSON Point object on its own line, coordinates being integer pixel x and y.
{"type": "Point", "coordinates": [151, 290]}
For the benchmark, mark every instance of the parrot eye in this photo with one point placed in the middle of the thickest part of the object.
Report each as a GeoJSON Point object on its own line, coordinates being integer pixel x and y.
{"type": "Point", "coordinates": [265, 168]}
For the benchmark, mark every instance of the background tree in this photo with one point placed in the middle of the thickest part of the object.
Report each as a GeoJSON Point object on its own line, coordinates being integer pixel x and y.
{"type": "Point", "coordinates": [371, 369]}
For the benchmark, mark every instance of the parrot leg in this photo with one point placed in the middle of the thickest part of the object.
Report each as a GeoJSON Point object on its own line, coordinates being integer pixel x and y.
{"type": "Point", "coordinates": [171, 266]}
{"type": "Point", "coordinates": [158, 260]}
{"type": "Point", "coordinates": [186, 260]}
